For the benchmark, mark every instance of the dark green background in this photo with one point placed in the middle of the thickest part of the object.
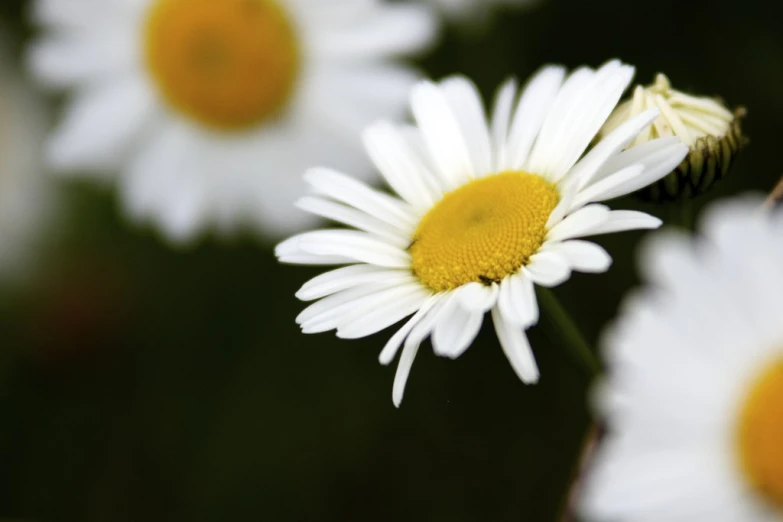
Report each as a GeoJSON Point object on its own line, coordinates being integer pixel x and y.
{"type": "Point", "coordinates": [143, 383]}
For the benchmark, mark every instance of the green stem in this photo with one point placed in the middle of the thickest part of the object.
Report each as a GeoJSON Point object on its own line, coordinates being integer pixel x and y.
{"type": "Point", "coordinates": [575, 341]}
{"type": "Point", "coordinates": [570, 332]}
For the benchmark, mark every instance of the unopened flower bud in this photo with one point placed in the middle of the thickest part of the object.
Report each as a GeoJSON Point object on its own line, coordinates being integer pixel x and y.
{"type": "Point", "coordinates": [705, 124]}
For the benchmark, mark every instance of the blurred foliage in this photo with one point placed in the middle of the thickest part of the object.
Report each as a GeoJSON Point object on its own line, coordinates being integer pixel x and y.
{"type": "Point", "coordinates": [140, 382]}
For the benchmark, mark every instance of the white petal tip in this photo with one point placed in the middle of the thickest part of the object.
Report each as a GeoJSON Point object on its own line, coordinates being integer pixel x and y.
{"type": "Point", "coordinates": [385, 359]}
{"type": "Point", "coordinates": [439, 351]}
{"type": "Point", "coordinates": [422, 91]}
{"type": "Point", "coordinates": [653, 223]}
{"type": "Point", "coordinates": [349, 335]}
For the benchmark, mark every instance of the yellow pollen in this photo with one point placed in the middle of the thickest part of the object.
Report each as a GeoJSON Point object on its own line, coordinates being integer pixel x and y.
{"type": "Point", "coordinates": [483, 231]}
{"type": "Point", "coordinates": [228, 64]}
{"type": "Point", "coordinates": [761, 435]}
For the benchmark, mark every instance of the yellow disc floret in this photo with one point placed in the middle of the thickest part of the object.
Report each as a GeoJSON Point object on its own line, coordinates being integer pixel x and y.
{"type": "Point", "coordinates": [228, 64]}
{"type": "Point", "coordinates": [761, 435]}
{"type": "Point", "coordinates": [483, 231]}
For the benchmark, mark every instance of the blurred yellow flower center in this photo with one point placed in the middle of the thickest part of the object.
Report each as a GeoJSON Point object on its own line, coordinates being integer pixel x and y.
{"type": "Point", "coordinates": [228, 64]}
{"type": "Point", "coordinates": [761, 435]}
{"type": "Point", "coordinates": [483, 231]}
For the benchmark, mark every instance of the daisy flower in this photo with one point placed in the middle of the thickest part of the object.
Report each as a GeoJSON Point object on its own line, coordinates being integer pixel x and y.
{"type": "Point", "coordinates": [694, 396]}
{"type": "Point", "coordinates": [485, 212]}
{"type": "Point", "coordinates": [209, 109]}
{"type": "Point", "coordinates": [27, 198]}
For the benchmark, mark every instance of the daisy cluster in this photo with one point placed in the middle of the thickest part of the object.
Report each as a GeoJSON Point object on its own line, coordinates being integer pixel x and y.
{"type": "Point", "coordinates": [279, 115]}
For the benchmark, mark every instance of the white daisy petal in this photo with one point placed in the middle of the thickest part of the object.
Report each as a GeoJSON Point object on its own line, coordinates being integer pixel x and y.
{"type": "Point", "coordinates": [385, 314]}
{"type": "Point", "coordinates": [353, 218]}
{"type": "Point", "coordinates": [395, 341]}
{"type": "Point", "coordinates": [400, 166]}
{"type": "Point", "coordinates": [289, 252]}
{"type": "Point", "coordinates": [80, 15]}
{"type": "Point", "coordinates": [356, 194]}
{"type": "Point", "coordinates": [621, 221]}
{"type": "Point", "coordinates": [300, 258]}
{"type": "Point", "coordinates": [582, 256]}
{"type": "Point", "coordinates": [501, 121]}
{"type": "Point", "coordinates": [355, 245]}
{"type": "Point", "coordinates": [477, 297]}
{"type": "Point", "coordinates": [455, 330]}
{"type": "Point", "coordinates": [389, 30]}
{"type": "Point", "coordinates": [420, 331]}
{"type": "Point", "coordinates": [578, 223]}
{"type": "Point", "coordinates": [651, 154]}
{"type": "Point", "coordinates": [63, 60]}
{"type": "Point", "coordinates": [350, 96]}
{"type": "Point", "coordinates": [585, 171]}
{"type": "Point", "coordinates": [547, 269]}
{"type": "Point", "coordinates": [346, 244]}
{"type": "Point", "coordinates": [613, 186]}
{"type": "Point", "coordinates": [537, 97]}
{"type": "Point", "coordinates": [349, 277]}
{"type": "Point", "coordinates": [345, 311]}
{"type": "Point", "coordinates": [465, 101]}
{"type": "Point", "coordinates": [543, 156]}
{"type": "Point", "coordinates": [339, 299]}
{"type": "Point", "coordinates": [567, 195]}
{"type": "Point", "coordinates": [100, 125]}
{"type": "Point", "coordinates": [413, 138]}
{"type": "Point", "coordinates": [442, 134]}
{"type": "Point", "coordinates": [404, 366]}
{"type": "Point", "coordinates": [517, 303]}
{"type": "Point", "coordinates": [607, 87]}
{"type": "Point", "coordinates": [517, 348]}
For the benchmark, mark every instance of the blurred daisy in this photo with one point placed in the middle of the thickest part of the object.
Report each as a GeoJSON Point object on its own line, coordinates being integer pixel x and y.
{"type": "Point", "coordinates": [27, 197]}
{"type": "Point", "coordinates": [694, 398]}
{"type": "Point", "coordinates": [212, 110]}
{"type": "Point", "coordinates": [469, 9]}
{"type": "Point", "coordinates": [484, 213]}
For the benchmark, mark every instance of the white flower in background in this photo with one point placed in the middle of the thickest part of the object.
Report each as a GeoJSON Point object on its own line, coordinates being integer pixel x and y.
{"type": "Point", "coordinates": [485, 213]}
{"type": "Point", "coordinates": [694, 397]}
{"type": "Point", "coordinates": [211, 111]}
{"type": "Point", "coordinates": [27, 197]}
{"type": "Point", "coordinates": [469, 9]}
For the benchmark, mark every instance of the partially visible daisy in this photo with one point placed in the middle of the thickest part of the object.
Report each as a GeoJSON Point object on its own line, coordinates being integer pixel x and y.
{"type": "Point", "coordinates": [484, 213]}
{"type": "Point", "coordinates": [694, 397]}
{"type": "Point", "coordinates": [470, 9]}
{"type": "Point", "coordinates": [27, 196]}
{"type": "Point", "coordinates": [210, 109]}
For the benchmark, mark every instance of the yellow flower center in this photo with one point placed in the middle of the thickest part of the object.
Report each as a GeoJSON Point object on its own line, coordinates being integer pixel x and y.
{"type": "Point", "coordinates": [483, 231]}
{"type": "Point", "coordinates": [228, 64]}
{"type": "Point", "coordinates": [761, 435]}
